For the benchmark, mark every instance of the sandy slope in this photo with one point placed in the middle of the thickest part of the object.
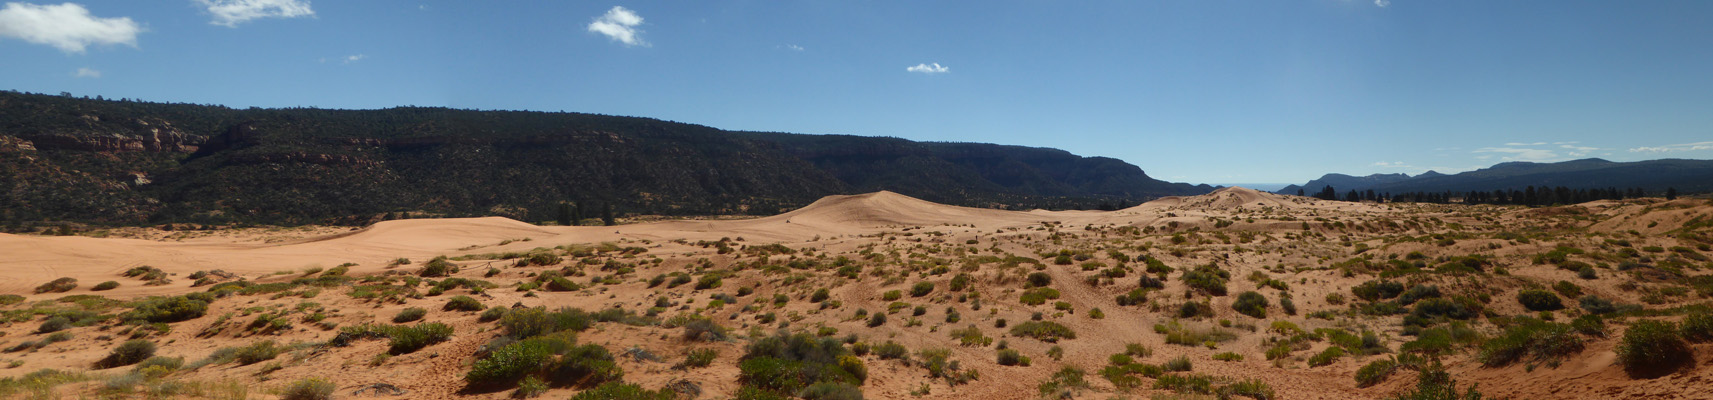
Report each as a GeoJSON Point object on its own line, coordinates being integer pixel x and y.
{"type": "Point", "coordinates": [1272, 233]}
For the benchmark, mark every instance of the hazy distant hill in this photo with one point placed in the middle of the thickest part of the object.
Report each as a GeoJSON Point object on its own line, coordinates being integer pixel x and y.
{"type": "Point", "coordinates": [1654, 176]}
{"type": "Point", "coordinates": [64, 158]}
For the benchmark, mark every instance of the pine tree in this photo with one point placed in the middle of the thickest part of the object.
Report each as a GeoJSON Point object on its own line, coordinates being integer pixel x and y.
{"type": "Point", "coordinates": [607, 215]}
{"type": "Point", "coordinates": [564, 217]}
{"type": "Point", "coordinates": [1671, 193]}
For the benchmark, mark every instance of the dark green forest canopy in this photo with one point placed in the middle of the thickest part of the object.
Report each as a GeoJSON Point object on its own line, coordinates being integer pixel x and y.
{"type": "Point", "coordinates": [103, 161]}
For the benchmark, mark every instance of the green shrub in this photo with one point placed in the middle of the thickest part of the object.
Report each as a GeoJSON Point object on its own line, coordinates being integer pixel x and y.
{"type": "Point", "coordinates": [54, 324]}
{"type": "Point", "coordinates": [1567, 289]}
{"type": "Point", "coordinates": [1539, 300]}
{"type": "Point", "coordinates": [786, 364]}
{"type": "Point", "coordinates": [1697, 327]}
{"type": "Point", "coordinates": [891, 295]}
{"type": "Point", "coordinates": [408, 339]}
{"type": "Point", "coordinates": [130, 352]}
{"type": "Point", "coordinates": [616, 390]}
{"type": "Point", "coordinates": [438, 267]}
{"type": "Point", "coordinates": [1228, 356]}
{"type": "Point", "coordinates": [1375, 372]}
{"type": "Point", "coordinates": [256, 352]}
{"type": "Point", "coordinates": [1589, 324]}
{"type": "Point", "coordinates": [1046, 331]}
{"type": "Point", "coordinates": [1251, 303]}
{"type": "Point", "coordinates": [921, 289]}
{"type": "Point", "coordinates": [463, 303]}
{"type": "Point", "coordinates": [586, 365]}
{"type": "Point", "coordinates": [820, 295]}
{"type": "Point", "coordinates": [698, 329]}
{"type": "Point", "coordinates": [492, 314]}
{"type": "Point", "coordinates": [1377, 290]}
{"type": "Point", "coordinates": [708, 281]}
{"type": "Point", "coordinates": [530, 387]}
{"type": "Point", "coordinates": [516, 360]}
{"type": "Point", "coordinates": [108, 285]}
{"type": "Point", "coordinates": [1650, 348]}
{"type": "Point", "coordinates": [1189, 383]}
{"type": "Point", "coordinates": [1039, 279]}
{"type": "Point", "coordinates": [166, 309]}
{"type": "Point", "coordinates": [1434, 383]}
{"type": "Point", "coordinates": [410, 314]}
{"type": "Point", "coordinates": [308, 389]}
{"type": "Point", "coordinates": [831, 391]}
{"type": "Point", "coordinates": [1326, 357]}
{"type": "Point", "coordinates": [698, 358]}
{"type": "Point", "coordinates": [1180, 363]}
{"type": "Point", "coordinates": [877, 319]}
{"type": "Point", "coordinates": [1038, 296]}
{"type": "Point", "coordinates": [60, 285]}
{"type": "Point", "coordinates": [891, 350]}
{"type": "Point", "coordinates": [1539, 340]}
{"type": "Point", "coordinates": [1009, 357]}
{"type": "Point", "coordinates": [1208, 279]}
{"type": "Point", "coordinates": [959, 282]}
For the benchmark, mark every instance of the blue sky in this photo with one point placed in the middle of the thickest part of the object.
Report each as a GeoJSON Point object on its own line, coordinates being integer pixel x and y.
{"type": "Point", "coordinates": [1191, 91]}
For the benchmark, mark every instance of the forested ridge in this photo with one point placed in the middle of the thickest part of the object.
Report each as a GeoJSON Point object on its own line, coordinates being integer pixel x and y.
{"type": "Point", "coordinates": [65, 158]}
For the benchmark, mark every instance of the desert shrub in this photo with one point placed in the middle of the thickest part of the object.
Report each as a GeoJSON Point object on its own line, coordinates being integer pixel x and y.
{"type": "Point", "coordinates": [877, 319]}
{"type": "Point", "coordinates": [530, 322]}
{"type": "Point", "coordinates": [492, 314]}
{"type": "Point", "coordinates": [438, 267]}
{"type": "Point", "coordinates": [1539, 300]}
{"type": "Point", "coordinates": [786, 364]}
{"type": "Point", "coordinates": [1375, 372]}
{"type": "Point", "coordinates": [1009, 357]}
{"type": "Point", "coordinates": [831, 391]}
{"type": "Point", "coordinates": [256, 352]}
{"type": "Point", "coordinates": [1433, 383]}
{"type": "Point", "coordinates": [108, 285]}
{"type": "Point", "coordinates": [463, 303]}
{"type": "Point", "coordinates": [166, 309]}
{"type": "Point", "coordinates": [921, 289]}
{"type": "Point", "coordinates": [54, 324]}
{"type": "Point", "coordinates": [959, 282]}
{"type": "Point", "coordinates": [709, 281]}
{"type": "Point", "coordinates": [891, 295]}
{"type": "Point", "coordinates": [1046, 331]}
{"type": "Point", "coordinates": [891, 350]}
{"type": "Point", "coordinates": [308, 389]}
{"type": "Point", "coordinates": [1063, 384]}
{"type": "Point", "coordinates": [1039, 279]}
{"type": "Point", "coordinates": [1179, 363]}
{"type": "Point", "coordinates": [1536, 339]}
{"type": "Point", "coordinates": [1651, 347]}
{"type": "Point", "coordinates": [1251, 303]}
{"type": "Point", "coordinates": [407, 339]}
{"type": "Point", "coordinates": [130, 352]}
{"type": "Point", "coordinates": [1188, 383]}
{"type": "Point", "coordinates": [1589, 324]}
{"type": "Point", "coordinates": [703, 329]}
{"type": "Point", "coordinates": [1038, 296]}
{"type": "Point", "coordinates": [1208, 279]}
{"type": "Point", "coordinates": [516, 360]}
{"type": "Point", "coordinates": [410, 314]}
{"type": "Point", "coordinates": [586, 365]}
{"type": "Point", "coordinates": [1335, 298]}
{"type": "Point", "coordinates": [1195, 310]}
{"type": "Point", "coordinates": [820, 295]}
{"type": "Point", "coordinates": [1377, 290]}
{"type": "Point", "coordinates": [1289, 306]}
{"type": "Point", "coordinates": [1149, 282]}
{"type": "Point", "coordinates": [1134, 297]}
{"type": "Point", "coordinates": [1567, 289]}
{"type": "Point", "coordinates": [1252, 388]}
{"type": "Point", "coordinates": [1697, 327]}
{"type": "Point", "coordinates": [60, 285]}
{"type": "Point", "coordinates": [1228, 356]}
{"type": "Point", "coordinates": [698, 358]}
{"type": "Point", "coordinates": [1417, 293]}
{"type": "Point", "coordinates": [971, 336]}
{"type": "Point", "coordinates": [1326, 357]}
{"type": "Point", "coordinates": [530, 387]}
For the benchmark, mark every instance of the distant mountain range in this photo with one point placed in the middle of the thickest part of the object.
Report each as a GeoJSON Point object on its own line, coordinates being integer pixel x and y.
{"type": "Point", "coordinates": [1653, 176]}
{"type": "Point", "coordinates": [127, 162]}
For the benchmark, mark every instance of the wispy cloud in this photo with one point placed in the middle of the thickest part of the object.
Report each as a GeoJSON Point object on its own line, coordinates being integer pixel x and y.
{"type": "Point", "coordinates": [1382, 3]}
{"type": "Point", "coordinates": [1672, 148]}
{"type": "Point", "coordinates": [230, 13]}
{"type": "Point", "coordinates": [86, 73]}
{"type": "Point", "coordinates": [930, 69]}
{"type": "Point", "coordinates": [1519, 153]}
{"type": "Point", "coordinates": [354, 58]}
{"type": "Point", "coordinates": [619, 24]}
{"type": "Point", "coordinates": [1394, 164]}
{"type": "Point", "coordinates": [793, 47]}
{"type": "Point", "coordinates": [67, 26]}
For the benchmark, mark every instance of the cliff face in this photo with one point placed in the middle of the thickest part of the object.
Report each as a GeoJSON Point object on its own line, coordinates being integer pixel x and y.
{"type": "Point", "coordinates": [129, 162]}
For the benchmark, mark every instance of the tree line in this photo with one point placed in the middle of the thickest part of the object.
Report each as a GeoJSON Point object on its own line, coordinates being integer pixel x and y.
{"type": "Point", "coordinates": [1528, 196]}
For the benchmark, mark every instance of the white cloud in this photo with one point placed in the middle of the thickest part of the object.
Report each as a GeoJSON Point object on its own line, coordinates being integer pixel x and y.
{"type": "Point", "coordinates": [935, 68]}
{"type": "Point", "coordinates": [793, 47]}
{"type": "Point", "coordinates": [86, 73]}
{"type": "Point", "coordinates": [1577, 151]}
{"type": "Point", "coordinates": [1382, 3]}
{"type": "Point", "coordinates": [1519, 154]}
{"type": "Point", "coordinates": [354, 58]}
{"type": "Point", "coordinates": [1697, 146]}
{"type": "Point", "coordinates": [230, 13]}
{"type": "Point", "coordinates": [67, 26]}
{"type": "Point", "coordinates": [619, 24]}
